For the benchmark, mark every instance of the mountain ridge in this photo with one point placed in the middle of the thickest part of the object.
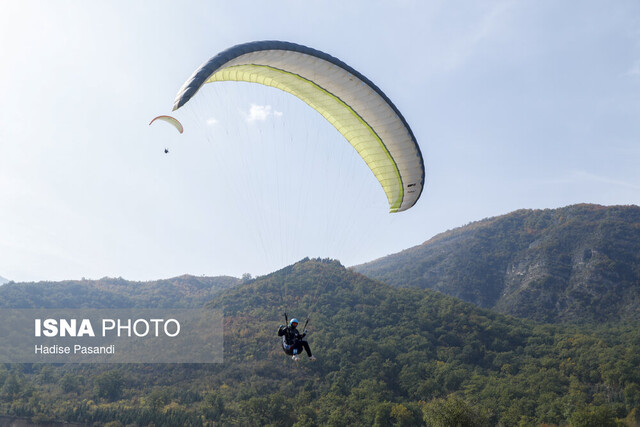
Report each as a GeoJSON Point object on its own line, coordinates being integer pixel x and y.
{"type": "Point", "coordinates": [115, 292]}
{"type": "Point", "coordinates": [579, 263]}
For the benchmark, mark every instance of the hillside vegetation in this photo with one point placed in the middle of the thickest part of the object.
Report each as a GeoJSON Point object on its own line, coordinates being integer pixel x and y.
{"type": "Point", "coordinates": [386, 356]}
{"type": "Point", "coordinates": [575, 264]}
{"type": "Point", "coordinates": [178, 292]}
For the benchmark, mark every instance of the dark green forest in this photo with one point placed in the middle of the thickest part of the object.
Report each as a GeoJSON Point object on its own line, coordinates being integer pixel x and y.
{"type": "Point", "coordinates": [387, 356]}
{"type": "Point", "coordinates": [575, 264]}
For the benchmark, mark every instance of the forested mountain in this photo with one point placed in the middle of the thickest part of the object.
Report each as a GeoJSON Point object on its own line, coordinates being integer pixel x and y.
{"type": "Point", "coordinates": [579, 264]}
{"type": "Point", "coordinates": [178, 292]}
{"type": "Point", "coordinates": [386, 356]}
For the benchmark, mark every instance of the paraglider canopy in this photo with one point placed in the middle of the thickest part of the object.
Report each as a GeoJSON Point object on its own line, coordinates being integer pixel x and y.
{"type": "Point", "coordinates": [353, 104]}
{"type": "Point", "coordinates": [171, 120]}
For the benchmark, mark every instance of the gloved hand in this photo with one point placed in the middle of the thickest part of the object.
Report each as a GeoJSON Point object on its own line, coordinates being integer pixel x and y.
{"type": "Point", "coordinates": [304, 332]}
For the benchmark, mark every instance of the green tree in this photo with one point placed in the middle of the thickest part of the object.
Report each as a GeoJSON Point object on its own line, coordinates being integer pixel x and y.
{"type": "Point", "coordinates": [70, 383]}
{"type": "Point", "coordinates": [11, 387]}
{"type": "Point", "coordinates": [212, 406]}
{"type": "Point", "coordinates": [109, 385]}
{"type": "Point", "coordinates": [632, 395]}
{"type": "Point", "coordinates": [590, 416]}
{"type": "Point", "coordinates": [454, 412]}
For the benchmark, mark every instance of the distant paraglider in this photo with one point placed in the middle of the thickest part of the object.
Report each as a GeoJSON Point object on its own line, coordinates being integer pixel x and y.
{"type": "Point", "coordinates": [171, 120]}
{"type": "Point", "coordinates": [353, 104]}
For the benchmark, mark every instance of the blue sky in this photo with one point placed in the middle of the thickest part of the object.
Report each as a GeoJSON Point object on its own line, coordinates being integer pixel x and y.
{"type": "Point", "coordinates": [515, 104]}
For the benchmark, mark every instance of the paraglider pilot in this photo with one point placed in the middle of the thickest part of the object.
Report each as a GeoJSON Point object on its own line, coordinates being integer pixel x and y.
{"type": "Point", "coordinates": [293, 342]}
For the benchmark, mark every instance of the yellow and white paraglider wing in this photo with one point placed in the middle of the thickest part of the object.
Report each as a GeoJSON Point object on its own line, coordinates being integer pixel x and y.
{"type": "Point", "coordinates": [171, 120]}
{"type": "Point", "coordinates": [356, 107]}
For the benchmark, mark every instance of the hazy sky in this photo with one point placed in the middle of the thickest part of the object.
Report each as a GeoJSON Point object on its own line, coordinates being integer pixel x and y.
{"type": "Point", "coordinates": [515, 104]}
